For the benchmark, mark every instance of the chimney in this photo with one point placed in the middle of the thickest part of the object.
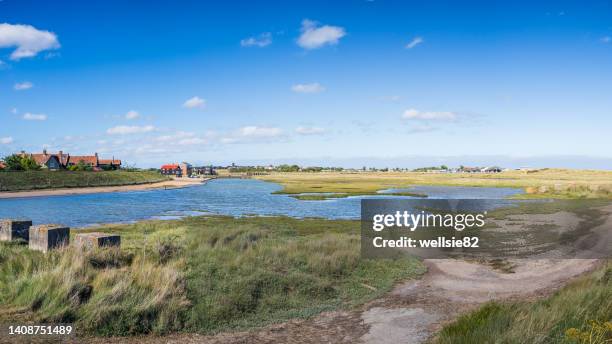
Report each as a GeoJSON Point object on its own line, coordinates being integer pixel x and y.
{"type": "Point", "coordinates": [61, 153]}
{"type": "Point", "coordinates": [45, 151]}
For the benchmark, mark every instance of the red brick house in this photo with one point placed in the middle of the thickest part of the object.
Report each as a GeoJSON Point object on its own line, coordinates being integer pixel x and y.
{"type": "Point", "coordinates": [172, 170]}
{"type": "Point", "coordinates": [60, 160]}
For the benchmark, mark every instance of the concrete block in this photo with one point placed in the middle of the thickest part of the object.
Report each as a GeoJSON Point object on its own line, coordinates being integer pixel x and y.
{"type": "Point", "coordinates": [95, 239]}
{"type": "Point", "coordinates": [48, 237]}
{"type": "Point", "coordinates": [14, 229]}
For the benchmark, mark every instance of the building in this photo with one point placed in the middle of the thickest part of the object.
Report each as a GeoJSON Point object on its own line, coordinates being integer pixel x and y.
{"type": "Point", "coordinates": [171, 170]}
{"type": "Point", "coordinates": [49, 161]}
{"type": "Point", "coordinates": [61, 160]}
{"type": "Point", "coordinates": [186, 169]}
{"type": "Point", "coordinates": [109, 164]}
{"type": "Point", "coordinates": [204, 171]}
{"type": "Point", "coordinates": [2, 165]}
{"type": "Point", "coordinates": [89, 160]}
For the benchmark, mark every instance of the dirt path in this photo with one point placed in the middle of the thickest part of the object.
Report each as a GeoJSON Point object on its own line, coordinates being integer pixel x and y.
{"type": "Point", "coordinates": [412, 312]}
{"type": "Point", "coordinates": [174, 183]}
{"type": "Point", "coordinates": [416, 309]}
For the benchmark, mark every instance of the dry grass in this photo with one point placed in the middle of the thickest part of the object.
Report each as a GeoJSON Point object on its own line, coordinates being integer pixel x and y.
{"type": "Point", "coordinates": [557, 183]}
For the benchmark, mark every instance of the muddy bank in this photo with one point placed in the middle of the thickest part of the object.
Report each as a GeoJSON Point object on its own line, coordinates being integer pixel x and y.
{"type": "Point", "coordinates": [174, 183]}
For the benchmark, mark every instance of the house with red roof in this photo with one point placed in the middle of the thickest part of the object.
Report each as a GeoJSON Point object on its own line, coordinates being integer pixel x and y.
{"type": "Point", "coordinates": [61, 160]}
{"type": "Point", "coordinates": [172, 170]}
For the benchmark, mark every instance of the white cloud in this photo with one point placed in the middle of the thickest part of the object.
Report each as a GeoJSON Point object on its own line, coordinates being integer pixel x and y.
{"type": "Point", "coordinates": [606, 39]}
{"type": "Point", "coordinates": [14, 111]}
{"type": "Point", "coordinates": [429, 115]}
{"type": "Point", "coordinates": [20, 86]}
{"type": "Point", "coordinates": [28, 40]}
{"type": "Point", "coordinates": [415, 41]}
{"type": "Point", "coordinates": [253, 134]}
{"type": "Point", "coordinates": [126, 129]}
{"type": "Point", "coordinates": [254, 131]}
{"type": "Point", "coordinates": [261, 41]}
{"type": "Point", "coordinates": [192, 141]}
{"type": "Point", "coordinates": [315, 87]}
{"type": "Point", "coordinates": [6, 140]}
{"type": "Point", "coordinates": [34, 117]}
{"type": "Point", "coordinates": [132, 114]}
{"type": "Point", "coordinates": [194, 102]}
{"type": "Point", "coordinates": [180, 135]}
{"type": "Point", "coordinates": [309, 130]}
{"type": "Point", "coordinates": [314, 36]}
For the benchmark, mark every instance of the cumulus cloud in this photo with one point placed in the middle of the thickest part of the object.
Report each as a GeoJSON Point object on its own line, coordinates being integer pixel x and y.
{"type": "Point", "coordinates": [20, 86]}
{"type": "Point", "coordinates": [261, 41]}
{"type": "Point", "coordinates": [34, 117]}
{"type": "Point", "coordinates": [179, 135]}
{"type": "Point", "coordinates": [253, 134]}
{"type": "Point", "coordinates": [6, 140]}
{"type": "Point", "coordinates": [429, 115]}
{"type": "Point", "coordinates": [314, 87]}
{"type": "Point", "coordinates": [309, 130]}
{"type": "Point", "coordinates": [132, 114]}
{"type": "Point", "coordinates": [315, 36]}
{"type": "Point", "coordinates": [194, 102]}
{"type": "Point", "coordinates": [27, 40]}
{"type": "Point", "coordinates": [415, 41]}
{"type": "Point", "coordinates": [126, 129]}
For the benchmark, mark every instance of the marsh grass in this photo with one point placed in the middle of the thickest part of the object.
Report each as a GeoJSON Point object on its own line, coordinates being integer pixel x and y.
{"type": "Point", "coordinates": [583, 306]}
{"type": "Point", "coordinates": [202, 274]}
{"type": "Point", "coordinates": [543, 183]}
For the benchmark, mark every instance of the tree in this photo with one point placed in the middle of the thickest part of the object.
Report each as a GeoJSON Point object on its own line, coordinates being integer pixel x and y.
{"type": "Point", "coordinates": [17, 162]}
{"type": "Point", "coordinates": [13, 163]}
{"type": "Point", "coordinates": [29, 164]}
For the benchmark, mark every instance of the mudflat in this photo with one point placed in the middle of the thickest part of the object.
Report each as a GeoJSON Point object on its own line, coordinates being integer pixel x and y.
{"type": "Point", "coordinates": [173, 183]}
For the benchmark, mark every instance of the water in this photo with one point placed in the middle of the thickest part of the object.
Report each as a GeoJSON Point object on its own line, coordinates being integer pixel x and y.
{"type": "Point", "coordinates": [235, 197]}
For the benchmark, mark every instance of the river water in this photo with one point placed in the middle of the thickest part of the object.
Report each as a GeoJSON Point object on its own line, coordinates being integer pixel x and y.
{"type": "Point", "coordinates": [235, 197]}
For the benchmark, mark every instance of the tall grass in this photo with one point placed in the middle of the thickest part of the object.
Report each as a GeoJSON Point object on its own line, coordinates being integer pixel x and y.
{"type": "Point", "coordinates": [197, 274]}
{"type": "Point", "coordinates": [582, 307]}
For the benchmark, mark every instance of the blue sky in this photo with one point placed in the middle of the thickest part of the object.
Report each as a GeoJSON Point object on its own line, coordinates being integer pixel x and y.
{"type": "Point", "coordinates": [353, 82]}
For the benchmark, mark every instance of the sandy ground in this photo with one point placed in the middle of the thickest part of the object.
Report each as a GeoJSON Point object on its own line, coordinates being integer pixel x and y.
{"type": "Point", "coordinates": [174, 183]}
{"type": "Point", "coordinates": [415, 310]}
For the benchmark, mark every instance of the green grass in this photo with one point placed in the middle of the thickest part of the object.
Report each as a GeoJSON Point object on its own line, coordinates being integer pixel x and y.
{"type": "Point", "coordinates": [200, 274]}
{"type": "Point", "coordinates": [36, 180]}
{"type": "Point", "coordinates": [578, 311]}
{"type": "Point", "coordinates": [324, 196]}
{"type": "Point", "coordinates": [542, 183]}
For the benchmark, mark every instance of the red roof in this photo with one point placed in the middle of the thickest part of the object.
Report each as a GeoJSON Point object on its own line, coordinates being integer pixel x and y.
{"type": "Point", "coordinates": [87, 159]}
{"type": "Point", "coordinates": [170, 167]}
{"type": "Point", "coordinates": [110, 162]}
{"type": "Point", "coordinates": [2, 165]}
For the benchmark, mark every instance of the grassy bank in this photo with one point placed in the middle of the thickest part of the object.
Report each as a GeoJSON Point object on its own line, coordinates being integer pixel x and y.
{"type": "Point", "coordinates": [581, 312]}
{"type": "Point", "coordinates": [36, 180]}
{"type": "Point", "coordinates": [555, 183]}
{"type": "Point", "coordinates": [202, 274]}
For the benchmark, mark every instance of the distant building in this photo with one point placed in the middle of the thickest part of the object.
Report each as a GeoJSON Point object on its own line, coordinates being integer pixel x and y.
{"type": "Point", "coordinates": [61, 160]}
{"type": "Point", "coordinates": [172, 170]}
{"type": "Point", "coordinates": [492, 169]}
{"type": "Point", "coordinates": [2, 165]}
{"type": "Point", "coordinates": [186, 169]}
{"type": "Point", "coordinates": [204, 171]}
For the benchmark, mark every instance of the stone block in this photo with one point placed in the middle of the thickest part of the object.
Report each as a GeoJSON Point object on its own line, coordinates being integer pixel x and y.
{"type": "Point", "coordinates": [48, 237]}
{"type": "Point", "coordinates": [14, 229]}
{"type": "Point", "coordinates": [95, 239]}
